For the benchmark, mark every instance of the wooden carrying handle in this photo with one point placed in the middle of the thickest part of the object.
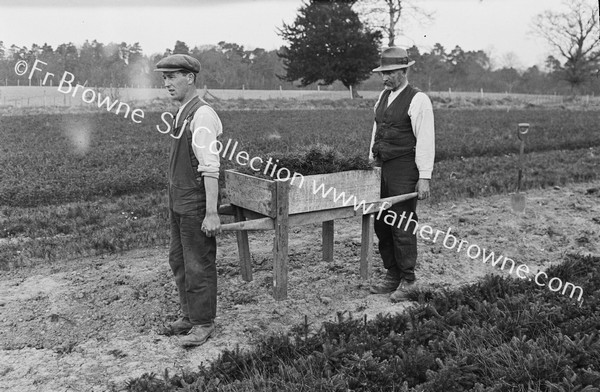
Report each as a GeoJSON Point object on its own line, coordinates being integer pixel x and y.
{"type": "Point", "coordinates": [269, 223]}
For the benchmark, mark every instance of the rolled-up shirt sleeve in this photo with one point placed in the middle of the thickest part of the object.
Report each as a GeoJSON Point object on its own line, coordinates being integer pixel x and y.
{"type": "Point", "coordinates": [371, 157]}
{"type": "Point", "coordinates": [206, 127]}
{"type": "Point", "coordinates": [421, 118]}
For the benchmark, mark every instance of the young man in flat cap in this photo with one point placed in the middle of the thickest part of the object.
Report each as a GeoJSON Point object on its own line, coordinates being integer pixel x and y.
{"type": "Point", "coordinates": [193, 197]}
{"type": "Point", "coordinates": [403, 144]}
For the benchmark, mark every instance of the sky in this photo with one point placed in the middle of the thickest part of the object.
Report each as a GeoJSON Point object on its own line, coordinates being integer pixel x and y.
{"type": "Point", "coordinates": [502, 28]}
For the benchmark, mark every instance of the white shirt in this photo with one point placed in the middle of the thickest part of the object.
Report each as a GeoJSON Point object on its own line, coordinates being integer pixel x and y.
{"type": "Point", "coordinates": [420, 112]}
{"type": "Point", "coordinates": [205, 126]}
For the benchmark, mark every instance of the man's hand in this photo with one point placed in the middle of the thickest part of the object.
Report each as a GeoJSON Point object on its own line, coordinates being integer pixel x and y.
{"type": "Point", "coordinates": [375, 161]}
{"type": "Point", "coordinates": [423, 189]}
{"type": "Point", "coordinates": [211, 226]}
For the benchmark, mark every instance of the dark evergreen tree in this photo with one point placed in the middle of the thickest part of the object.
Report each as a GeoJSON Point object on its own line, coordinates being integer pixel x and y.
{"type": "Point", "coordinates": [328, 42]}
{"type": "Point", "coordinates": [181, 48]}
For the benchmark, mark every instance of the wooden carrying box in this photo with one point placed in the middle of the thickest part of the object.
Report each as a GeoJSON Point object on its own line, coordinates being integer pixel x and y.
{"type": "Point", "coordinates": [278, 205]}
{"type": "Point", "coordinates": [306, 193]}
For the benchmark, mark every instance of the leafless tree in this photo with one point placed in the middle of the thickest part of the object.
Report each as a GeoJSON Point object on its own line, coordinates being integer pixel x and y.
{"type": "Point", "coordinates": [510, 60]}
{"type": "Point", "coordinates": [390, 16]}
{"type": "Point", "coordinates": [574, 36]}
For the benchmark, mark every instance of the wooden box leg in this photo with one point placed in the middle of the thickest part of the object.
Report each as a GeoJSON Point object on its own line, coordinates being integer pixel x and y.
{"type": "Point", "coordinates": [243, 247]}
{"type": "Point", "coordinates": [366, 248]}
{"type": "Point", "coordinates": [280, 243]}
{"type": "Point", "coordinates": [328, 227]}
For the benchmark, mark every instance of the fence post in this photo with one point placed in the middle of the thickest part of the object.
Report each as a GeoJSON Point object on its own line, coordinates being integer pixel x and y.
{"type": "Point", "coordinates": [351, 95]}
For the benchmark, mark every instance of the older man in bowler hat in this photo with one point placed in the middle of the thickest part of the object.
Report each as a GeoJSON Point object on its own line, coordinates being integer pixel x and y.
{"type": "Point", "coordinates": [403, 144]}
{"type": "Point", "coordinates": [193, 200]}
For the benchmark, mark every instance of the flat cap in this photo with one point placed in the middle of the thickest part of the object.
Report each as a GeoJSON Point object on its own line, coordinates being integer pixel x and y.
{"type": "Point", "coordinates": [178, 62]}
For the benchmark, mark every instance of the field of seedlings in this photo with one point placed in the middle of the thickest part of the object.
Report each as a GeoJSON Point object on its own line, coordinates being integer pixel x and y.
{"type": "Point", "coordinates": [86, 288]}
{"type": "Point", "coordinates": [86, 184]}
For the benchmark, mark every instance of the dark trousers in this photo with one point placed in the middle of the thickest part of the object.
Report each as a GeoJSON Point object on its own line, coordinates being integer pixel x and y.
{"type": "Point", "coordinates": [397, 246]}
{"type": "Point", "coordinates": [192, 258]}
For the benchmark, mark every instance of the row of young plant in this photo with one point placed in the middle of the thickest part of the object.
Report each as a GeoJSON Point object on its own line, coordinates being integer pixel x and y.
{"type": "Point", "coordinates": [53, 159]}
{"type": "Point", "coordinates": [106, 200]}
{"type": "Point", "coordinates": [500, 334]}
{"type": "Point", "coordinates": [120, 223]}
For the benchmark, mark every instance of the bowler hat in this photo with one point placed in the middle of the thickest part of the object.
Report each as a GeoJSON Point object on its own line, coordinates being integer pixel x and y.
{"type": "Point", "coordinates": [178, 62]}
{"type": "Point", "coordinates": [393, 58]}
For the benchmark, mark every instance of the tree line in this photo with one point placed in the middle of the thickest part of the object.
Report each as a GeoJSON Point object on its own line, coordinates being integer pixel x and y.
{"type": "Point", "coordinates": [230, 66]}
{"type": "Point", "coordinates": [225, 65]}
{"type": "Point", "coordinates": [330, 41]}
{"type": "Point", "coordinates": [330, 44]}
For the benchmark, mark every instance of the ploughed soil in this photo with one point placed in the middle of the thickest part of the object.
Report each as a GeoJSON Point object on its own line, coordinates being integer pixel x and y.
{"type": "Point", "coordinates": [92, 324]}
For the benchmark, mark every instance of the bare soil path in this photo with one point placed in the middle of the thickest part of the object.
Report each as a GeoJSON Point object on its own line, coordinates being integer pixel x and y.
{"type": "Point", "coordinates": [92, 324]}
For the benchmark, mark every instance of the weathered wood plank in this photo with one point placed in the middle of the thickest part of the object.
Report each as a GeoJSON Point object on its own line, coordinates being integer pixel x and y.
{"type": "Point", "coordinates": [366, 247]}
{"type": "Point", "coordinates": [257, 182]}
{"type": "Point", "coordinates": [280, 243]}
{"type": "Point", "coordinates": [226, 209]}
{"type": "Point", "coordinates": [249, 214]}
{"type": "Point", "coordinates": [243, 247]}
{"type": "Point", "coordinates": [306, 218]}
{"type": "Point", "coordinates": [301, 219]}
{"type": "Point", "coordinates": [307, 193]}
{"type": "Point", "coordinates": [328, 233]}
{"type": "Point", "coordinates": [255, 224]}
{"type": "Point", "coordinates": [249, 192]}
{"type": "Point", "coordinates": [334, 190]}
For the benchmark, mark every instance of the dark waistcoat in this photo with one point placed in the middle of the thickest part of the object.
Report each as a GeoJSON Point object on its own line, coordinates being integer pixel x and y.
{"type": "Point", "coordinates": [394, 136]}
{"type": "Point", "coordinates": [186, 186]}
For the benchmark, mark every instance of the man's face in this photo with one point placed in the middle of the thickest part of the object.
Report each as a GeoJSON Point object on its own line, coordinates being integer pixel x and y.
{"type": "Point", "coordinates": [177, 84]}
{"type": "Point", "coordinates": [393, 79]}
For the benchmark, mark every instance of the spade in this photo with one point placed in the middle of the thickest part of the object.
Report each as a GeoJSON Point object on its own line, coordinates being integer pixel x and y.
{"type": "Point", "coordinates": [518, 199]}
